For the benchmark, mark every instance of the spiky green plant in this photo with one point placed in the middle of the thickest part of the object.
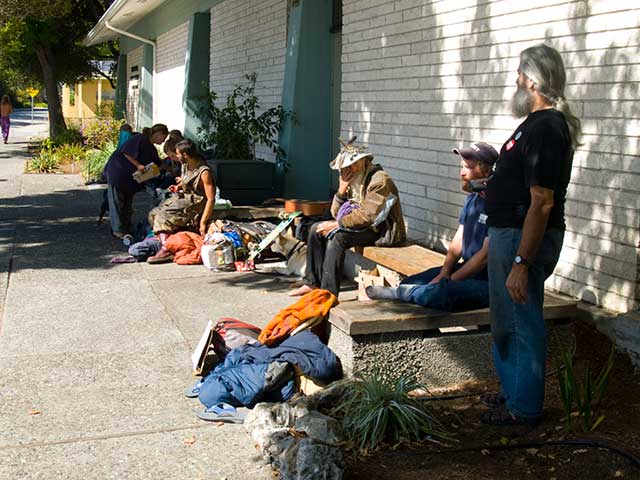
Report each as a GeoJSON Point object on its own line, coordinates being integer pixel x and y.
{"type": "Point", "coordinates": [70, 153]}
{"type": "Point", "coordinates": [377, 409]}
{"type": "Point", "coordinates": [45, 162]}
{"type": "Point", "coordinates": [581, 398]}
{"type": "Point", "coordinates": [95, 162]}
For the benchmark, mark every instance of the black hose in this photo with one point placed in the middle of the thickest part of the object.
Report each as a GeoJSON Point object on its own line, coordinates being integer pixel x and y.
{"type": "Point", "coordinates": [576, 443]}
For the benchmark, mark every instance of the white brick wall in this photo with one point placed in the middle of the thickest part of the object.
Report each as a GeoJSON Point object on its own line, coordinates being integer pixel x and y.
{"type": "Point", "coordinates": [249, 36]}
{"type": "Point", "coordinates": [171, 53]}
{"type": "Point", "coordinates": [420, 77]}
{"type": "Point", "coordinates": [134, 58]}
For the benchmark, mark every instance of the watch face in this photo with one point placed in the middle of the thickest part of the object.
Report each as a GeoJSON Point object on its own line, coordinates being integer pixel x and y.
{"type": "Point", "coordinates": [518, 260]}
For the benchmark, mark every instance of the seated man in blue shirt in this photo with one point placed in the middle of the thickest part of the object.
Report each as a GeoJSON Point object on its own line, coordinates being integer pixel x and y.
{"type": "Point", "coordinates": [456, 286]}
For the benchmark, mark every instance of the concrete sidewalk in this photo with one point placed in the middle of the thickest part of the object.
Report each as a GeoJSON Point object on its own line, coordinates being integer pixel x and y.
{"type": "Point", "coordinates": [102, 351]}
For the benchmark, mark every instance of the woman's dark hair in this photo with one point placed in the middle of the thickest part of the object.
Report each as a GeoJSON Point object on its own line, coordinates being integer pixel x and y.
{"type": "Point", "coordinates": [158, 127]}
{"type": "Point", "coordinates": [175, 136]}
{"type": "Point", "coordinates": [125, 127]}
{"type": "Point", "coordinates": [189, 147]}
{"type": "Point", "coordinates": [5, 99]}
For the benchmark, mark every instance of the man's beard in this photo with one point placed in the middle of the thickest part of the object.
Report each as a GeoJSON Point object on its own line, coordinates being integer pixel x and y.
{"type": "Point", "coordinates": [356, 186]}
{"type": "Point", "coordinates": [521, 103]}
{"type": "Point", "coordinates": [466, 186]}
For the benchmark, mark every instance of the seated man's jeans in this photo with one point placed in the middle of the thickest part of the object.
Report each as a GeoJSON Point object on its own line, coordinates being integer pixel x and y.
{"type": "Point", "coordinates": [449, 295]}
{"type": "Point", "coordinates": [325, 257]}
{"type": "Point", "coordinates": [518, 330]}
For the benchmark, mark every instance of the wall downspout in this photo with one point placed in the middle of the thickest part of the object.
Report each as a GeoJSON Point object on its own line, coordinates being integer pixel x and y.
{"type": "Point", "coordinates": [153, 46]}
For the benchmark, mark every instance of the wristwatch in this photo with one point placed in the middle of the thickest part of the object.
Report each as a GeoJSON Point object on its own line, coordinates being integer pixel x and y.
{"type": "Point", "coordinates": [521, 261]}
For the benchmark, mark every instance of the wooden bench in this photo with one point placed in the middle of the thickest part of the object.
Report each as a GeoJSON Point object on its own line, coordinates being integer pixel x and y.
{"type": "Point", "coordinates": [407, 260]}
{"type": "Point", "coordinates": [439, 348]}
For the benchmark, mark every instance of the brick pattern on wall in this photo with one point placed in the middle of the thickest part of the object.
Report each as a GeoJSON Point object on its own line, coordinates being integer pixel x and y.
{"type": "Point", "coordinates": [171, 48]}
{"type": "Point", "coordinates": [420, 77]}
{"type": "Point", "coordinates": [249, 36]}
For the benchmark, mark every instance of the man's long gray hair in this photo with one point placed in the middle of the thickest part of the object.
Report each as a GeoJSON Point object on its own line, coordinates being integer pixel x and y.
{"type": "Point", "coordinates": [544, 66]}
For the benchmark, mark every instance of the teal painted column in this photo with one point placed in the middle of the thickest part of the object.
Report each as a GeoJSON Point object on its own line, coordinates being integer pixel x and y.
{"type": "Point", "coordinates": [307, 92]}
{"type": "Point", "coordinates": [120, 104]}
{"type": "Point", "coordinates": [145, 99]}
{"type": "Point", "coordinates": [196, 84]}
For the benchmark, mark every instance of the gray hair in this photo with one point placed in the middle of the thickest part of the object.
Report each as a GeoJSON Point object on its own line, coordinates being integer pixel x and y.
{"type": "Point", "coordinates": [543, 65]}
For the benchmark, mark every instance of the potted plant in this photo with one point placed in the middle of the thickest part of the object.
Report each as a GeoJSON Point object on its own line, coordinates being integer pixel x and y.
{"type": "Point", "coordinates": [230, 132]}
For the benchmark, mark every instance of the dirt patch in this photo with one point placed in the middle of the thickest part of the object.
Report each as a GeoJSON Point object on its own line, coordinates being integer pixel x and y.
{"type": "Point", "coordinates": [621, 428]}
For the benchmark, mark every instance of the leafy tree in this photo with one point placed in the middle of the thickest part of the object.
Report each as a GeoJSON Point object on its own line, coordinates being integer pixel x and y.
{"type": "Point", "coordinates": [41, 44]}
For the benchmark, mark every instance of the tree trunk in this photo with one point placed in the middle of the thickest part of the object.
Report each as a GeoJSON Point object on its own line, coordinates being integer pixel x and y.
{"type": "Point", "coordinates": [56, 119]}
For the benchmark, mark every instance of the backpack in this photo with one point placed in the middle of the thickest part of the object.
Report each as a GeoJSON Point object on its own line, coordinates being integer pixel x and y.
{"type": "Point", "coordinates": [219, 339]}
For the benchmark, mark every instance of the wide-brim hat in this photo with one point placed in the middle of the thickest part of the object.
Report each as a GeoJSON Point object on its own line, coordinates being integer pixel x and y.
{"type": "Point", "coordinates": [349, 154]}
{"type": "Point", "coordinates": [480, 152]}
{"type": "Point", "coordinates": [345, 159]}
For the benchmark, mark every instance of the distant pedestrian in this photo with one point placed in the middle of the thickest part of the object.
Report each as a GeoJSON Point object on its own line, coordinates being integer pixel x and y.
{"type": "Point", "coordinates": [5, 121]}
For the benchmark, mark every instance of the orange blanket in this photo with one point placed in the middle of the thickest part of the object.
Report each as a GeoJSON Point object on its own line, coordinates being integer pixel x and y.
{"type": "Point", "coordinates": [316, 303]}
{"type": "Point", "coordinates": [185, 247]}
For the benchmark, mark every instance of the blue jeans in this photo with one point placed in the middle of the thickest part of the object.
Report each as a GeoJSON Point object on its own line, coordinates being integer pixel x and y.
{"type": "Point", "coordinates": [452, 296]}
{"type": "Point", "coordinates": [120, 210]}
{"type": "Point", "coordinates": [518, 330]}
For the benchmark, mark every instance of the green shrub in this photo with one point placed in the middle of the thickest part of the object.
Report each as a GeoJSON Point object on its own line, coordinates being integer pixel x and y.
{"type": "Point", "coordinates": [95, 162]}
{"type": "Point", "coordinates": [377, 409]}
{"type": "Point", "coordinates": [101, 132]}
{"type": "Point", "coordinates": [70, 153]}
{"type": "Point", "coordinates": [581, 399]}
{"type": "Point", "coordinates": [45, 162]}
{"type": "Point", "coordinates": [233, 129]}
{"type": "Point", "coordinates": [69, 136]}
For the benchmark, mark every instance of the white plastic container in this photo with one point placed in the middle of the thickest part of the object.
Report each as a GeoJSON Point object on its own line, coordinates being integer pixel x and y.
{"type": "Point", "coordinates": [218, 257]}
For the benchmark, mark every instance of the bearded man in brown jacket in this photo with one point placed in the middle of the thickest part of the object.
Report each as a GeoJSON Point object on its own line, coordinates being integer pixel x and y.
{"type": "Point", "coordinates": [366, 211]}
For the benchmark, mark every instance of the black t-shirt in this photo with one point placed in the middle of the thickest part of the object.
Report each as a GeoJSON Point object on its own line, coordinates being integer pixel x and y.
{"type": "Point", "coordinates": [538, 153]}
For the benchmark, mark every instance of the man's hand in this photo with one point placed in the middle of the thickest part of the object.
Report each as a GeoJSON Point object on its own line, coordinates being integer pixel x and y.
{"type": "Point", "coordinates": [346, 175]}
{"type": "Point", "coordinates": [439, 277]}
{"type": "Point", "coordinates": [203, 228]}
{"type": "Point", "coordinates": [325, 227]}
{"type": "Point", "coordinates": [517, 283]}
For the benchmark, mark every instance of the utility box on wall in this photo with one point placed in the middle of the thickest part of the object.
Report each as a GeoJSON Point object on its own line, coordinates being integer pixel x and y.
{"type": "Point", "coordinates": [244, 182]}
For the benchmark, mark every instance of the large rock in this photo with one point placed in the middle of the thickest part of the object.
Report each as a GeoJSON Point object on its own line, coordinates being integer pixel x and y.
{"type": "Point", "coordinates": [309, 460]}
{"type": "Point", "coordinates": [299, 442]}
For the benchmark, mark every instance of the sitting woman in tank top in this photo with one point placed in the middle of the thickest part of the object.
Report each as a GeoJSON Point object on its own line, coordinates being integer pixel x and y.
{"type": "Point", "coordinates": [192, 202]}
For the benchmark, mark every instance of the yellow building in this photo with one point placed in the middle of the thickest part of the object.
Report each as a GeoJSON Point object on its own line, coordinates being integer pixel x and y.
{"type": "Point", "coordinates": [83, 101]}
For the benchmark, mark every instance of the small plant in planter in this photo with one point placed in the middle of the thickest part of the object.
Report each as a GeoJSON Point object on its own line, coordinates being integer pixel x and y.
{"type": "Point", "coordinates": [232, 130]}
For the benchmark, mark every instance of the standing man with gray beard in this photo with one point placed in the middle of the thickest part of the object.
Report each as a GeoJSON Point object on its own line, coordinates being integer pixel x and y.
{"type": "Point", "coordinates": [525, 207]}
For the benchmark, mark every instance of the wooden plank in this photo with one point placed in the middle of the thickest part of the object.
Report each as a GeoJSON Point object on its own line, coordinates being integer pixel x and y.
{"type": "Point", "coordinates": [361, 318]}
{"type": "Point", "coordinates": [247, 213]}
{"type": "Point", "coordinates": [407, 260]}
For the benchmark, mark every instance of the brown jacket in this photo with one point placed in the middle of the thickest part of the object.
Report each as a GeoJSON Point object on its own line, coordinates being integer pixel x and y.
{"type": "Point", "coordinates": [377, 186]}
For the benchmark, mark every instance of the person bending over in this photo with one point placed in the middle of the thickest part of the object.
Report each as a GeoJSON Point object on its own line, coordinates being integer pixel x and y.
{"type": "Point", "coordinates": [192, 202]}
{"type": "Point", "coordinates": [456, 286]}
{"type": "Point", "coordinates": [366, 211]}
{"type": "Point", "coordinates": [132, 156]}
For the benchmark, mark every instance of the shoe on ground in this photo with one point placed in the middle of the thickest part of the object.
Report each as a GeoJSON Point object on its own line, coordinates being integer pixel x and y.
{"type": "Point", "coordinates": [502, 416]}
{"type": "Point", "coordinates": [492, 399]}
{"type": "Point", "coordinates": [163, 256]}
